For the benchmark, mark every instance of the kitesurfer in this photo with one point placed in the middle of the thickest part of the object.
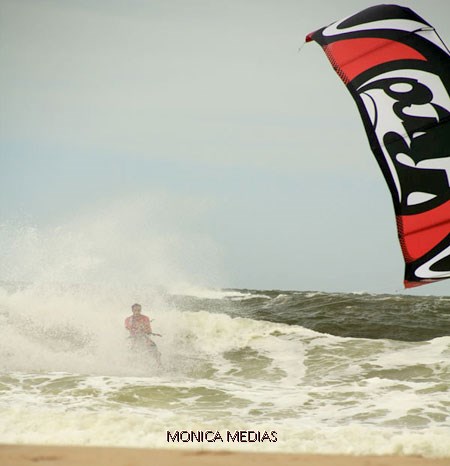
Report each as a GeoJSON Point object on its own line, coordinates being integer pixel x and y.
{"type": "Point", "coordinates": [140, 331]}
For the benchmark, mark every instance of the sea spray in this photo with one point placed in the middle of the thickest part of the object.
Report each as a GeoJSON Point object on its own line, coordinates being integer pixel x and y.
{"type": "Point", "coordinates": [329, 372]}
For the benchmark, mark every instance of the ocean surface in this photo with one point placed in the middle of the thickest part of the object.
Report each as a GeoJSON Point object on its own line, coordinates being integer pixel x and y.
{"type": "Point", "coordinates": [289, 371]}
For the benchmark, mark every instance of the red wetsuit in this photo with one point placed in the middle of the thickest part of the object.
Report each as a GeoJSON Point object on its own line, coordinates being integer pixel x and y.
{"type": "Point", "coordinates": [138, 325]}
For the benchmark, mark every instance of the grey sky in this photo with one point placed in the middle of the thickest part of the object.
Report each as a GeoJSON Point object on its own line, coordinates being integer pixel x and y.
{"type": "Point", "coordinates": [194, 138]}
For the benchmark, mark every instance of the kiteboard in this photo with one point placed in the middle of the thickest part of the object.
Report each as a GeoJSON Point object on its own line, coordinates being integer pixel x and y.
{"type": "Point", "coordinates": [145, 350]}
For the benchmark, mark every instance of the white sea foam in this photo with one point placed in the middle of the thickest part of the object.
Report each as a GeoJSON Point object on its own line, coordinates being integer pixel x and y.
{"type": "Point", "coordinates": [67, 376]}
{"type": "Point", "coordinates": [321, 393]}
{"type": "Point", "coordinates": [128, 428]}
{"type": "Point", "coordinates": [208, 293]}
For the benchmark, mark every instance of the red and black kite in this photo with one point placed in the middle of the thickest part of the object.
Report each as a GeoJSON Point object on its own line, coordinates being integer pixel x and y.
{"type": "Point", "coordinates": [397, 69]}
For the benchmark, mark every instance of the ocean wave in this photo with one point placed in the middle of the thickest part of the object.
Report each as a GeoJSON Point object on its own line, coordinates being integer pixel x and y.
{"type": "Point", "coordinates": [294, 362]}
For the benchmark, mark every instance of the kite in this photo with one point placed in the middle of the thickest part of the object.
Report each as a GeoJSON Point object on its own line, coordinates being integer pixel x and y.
{"type": "Point", "coordinates": [397, 69]}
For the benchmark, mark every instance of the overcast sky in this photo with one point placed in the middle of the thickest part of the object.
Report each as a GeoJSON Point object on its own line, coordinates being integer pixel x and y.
{"type": "Point", "coordinates": [189, 141]}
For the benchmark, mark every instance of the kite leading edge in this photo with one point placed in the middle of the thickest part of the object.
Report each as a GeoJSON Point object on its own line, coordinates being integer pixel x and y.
{"type": "Point", "coordinates": [398, 71]}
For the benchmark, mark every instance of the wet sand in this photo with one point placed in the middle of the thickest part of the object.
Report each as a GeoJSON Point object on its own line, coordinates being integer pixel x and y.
{"type": "Point", "coordinates": [26, 455]}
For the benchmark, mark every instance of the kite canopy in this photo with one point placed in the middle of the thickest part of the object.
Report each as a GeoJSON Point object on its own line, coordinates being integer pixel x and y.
{"type": "Point", "coordinates": [398, 71]}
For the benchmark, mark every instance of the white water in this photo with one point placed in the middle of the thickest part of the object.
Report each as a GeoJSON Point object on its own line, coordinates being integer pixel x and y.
{"type": "Point", "coordinates": [67, 377]}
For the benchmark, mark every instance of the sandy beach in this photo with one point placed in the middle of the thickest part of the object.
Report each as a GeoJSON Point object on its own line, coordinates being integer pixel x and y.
{"type": "Point", "coordinates": [26, 455]}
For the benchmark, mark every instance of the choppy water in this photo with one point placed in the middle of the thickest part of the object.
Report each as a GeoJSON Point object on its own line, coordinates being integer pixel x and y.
{"type": "Point", "coordinates": [328, 372]}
